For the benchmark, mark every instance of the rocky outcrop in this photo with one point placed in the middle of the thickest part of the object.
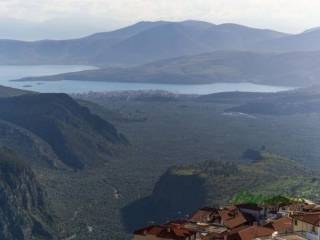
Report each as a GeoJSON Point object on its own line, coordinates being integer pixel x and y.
{"type": "Point", "coordinates": [23, 211]}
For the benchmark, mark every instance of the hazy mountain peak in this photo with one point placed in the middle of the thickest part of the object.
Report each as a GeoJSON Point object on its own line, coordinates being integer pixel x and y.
{"type": "Point", "coordinates": [139, 43]}
{"type": "Point", "coordinates": [315, 29]}
{"type": "Point", "coordinates": [129, 30]}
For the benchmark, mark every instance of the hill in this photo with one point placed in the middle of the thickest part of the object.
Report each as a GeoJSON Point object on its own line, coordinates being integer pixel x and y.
{"type": "Point", "coordinates": [287, 69]}
{"type": "Point", "coordinates": [301, 101]}
{"type": "Point", "coordinates": [76, 136]}
{"type": "Point", "coordinates": [306, 41]}
{"type": "Point", "coordinates": [23, 210]}
{"type": "Point", "coordinates": [29, 146]}
{"type": "Point", "coordinates": [183, 189]}
{"type": "Point", "coordinates": [140, 43]}
{"type": "Point", "coordinates": [12, 92]}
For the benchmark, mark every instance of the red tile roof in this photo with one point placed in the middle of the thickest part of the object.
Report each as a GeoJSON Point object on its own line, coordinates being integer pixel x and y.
{"type": "Point", "coordinates": [170, 231]}
{"type": "Point", "coordinates": [232, 217]}
{"type": "Point", "coordinates": [255, 232]}
{"type": "Point", "coordinates": [312, 218]}
{"type": "Point", "coordinates": [205, 215]}
{"type": "Point", "coordinates": [281, 225]}
{"type": "Point", "coordinates": [311, 208]}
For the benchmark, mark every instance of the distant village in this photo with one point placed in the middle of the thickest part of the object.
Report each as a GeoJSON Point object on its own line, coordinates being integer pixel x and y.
{"type": "Point", "coordinates": [294, 221]}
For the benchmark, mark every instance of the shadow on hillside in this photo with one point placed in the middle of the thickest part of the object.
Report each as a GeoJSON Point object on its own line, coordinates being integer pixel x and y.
{"type": "Point", "coordinates": [173, 198]}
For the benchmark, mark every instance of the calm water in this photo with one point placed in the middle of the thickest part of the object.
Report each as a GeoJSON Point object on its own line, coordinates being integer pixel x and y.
{"type": "Point", "coordinates": [8, 73]}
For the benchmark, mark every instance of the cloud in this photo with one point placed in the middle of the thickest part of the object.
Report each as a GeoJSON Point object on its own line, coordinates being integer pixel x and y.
{"type": "Point", "coordinates": [285, 15]}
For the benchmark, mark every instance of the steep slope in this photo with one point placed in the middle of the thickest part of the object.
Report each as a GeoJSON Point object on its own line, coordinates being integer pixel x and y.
{"type": "Point", "coordinates": [75, 135]}
{"type": "Point", "coordinates": [140, 43]}
{"type": "Point", "coordinates": [12, 92]}
{"type": "Point", "coordinates": [37, 152]}
{"type": "Point", "coordinates": [23, 212]}
{"type": "Point", "coordinates": [183, 189]}
{"type": "Point", "coordinates": [287, 69]}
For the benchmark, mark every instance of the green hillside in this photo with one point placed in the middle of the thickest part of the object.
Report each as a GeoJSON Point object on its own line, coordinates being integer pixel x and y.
{"type": "Point", "coordinates": [183, 189]}
{"type": "Point", "coordinates": [75, 135]}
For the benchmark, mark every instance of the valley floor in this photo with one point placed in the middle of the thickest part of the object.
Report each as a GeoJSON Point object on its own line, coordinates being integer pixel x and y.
{"type": "Point", "coordinates": [89, 203]}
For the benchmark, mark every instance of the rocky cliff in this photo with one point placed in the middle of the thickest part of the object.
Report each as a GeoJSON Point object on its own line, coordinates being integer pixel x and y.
{"type": "Point", "coordinates": [23, 211]}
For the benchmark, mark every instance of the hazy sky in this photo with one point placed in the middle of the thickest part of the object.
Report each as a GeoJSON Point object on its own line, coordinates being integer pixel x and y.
{"type": "Point", "coordinates": [34, 19]}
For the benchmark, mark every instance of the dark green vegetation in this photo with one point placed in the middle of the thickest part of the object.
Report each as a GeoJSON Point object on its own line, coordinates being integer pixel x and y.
{"type": "Point", "coordinates": [136, 44]}
{"type": "Point", "coordinates": [23, 211]}
{"type": "Point", "coordinates": [213, 183]}
{"type": "Point", "coordinates": [99, 183]}
{"type": "Point", "coordinates": [185, 130]}
{"type": "Point", "coordinates": [261, 199]}
{"type": "Point", "coordinates": [287, 69]}
{"type": "Point", "coordinates": [76, 136]}
{"type": "Point", "coordinates": [104, 199]}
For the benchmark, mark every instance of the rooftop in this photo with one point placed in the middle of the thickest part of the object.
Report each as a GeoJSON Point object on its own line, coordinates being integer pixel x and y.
{"type": "Point", "coordinates": [255, 232]}
{"type": "Point", "coordinates": [205, 215]}
{"type": "Point", "coordinates": [312, 217]}
{"type": "Point", "coordinates": [232, 217]}
{"type": "Point", "coordinates": [169, 231]}
{"type": "Point", "coordinates": [283, 224]}
{"type": "Point", "coordinates": [291, 236]}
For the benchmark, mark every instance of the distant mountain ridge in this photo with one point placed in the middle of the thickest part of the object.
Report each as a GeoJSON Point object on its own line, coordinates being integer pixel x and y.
{"type": "Point", "coordinates": [283, 69]}
{"type": "Point", "coordinates": [137, 44]}
{"type": "Point", "coordinates": [305, 41]}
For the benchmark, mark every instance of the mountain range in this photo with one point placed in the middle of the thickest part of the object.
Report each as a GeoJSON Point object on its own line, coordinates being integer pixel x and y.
{"type": "Point", "coordinates": [189, 52]}
{"type": "Point", "coordinates": [284, 69]}
{"type": "Point", "coordinates": [145, 42]}
{"type": "Point", "coordinates": [70, 154]}
{"type": "Point", "coordinates": [140, 43]}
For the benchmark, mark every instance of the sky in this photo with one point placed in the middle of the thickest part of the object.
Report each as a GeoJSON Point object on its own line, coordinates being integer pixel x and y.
{"type": "Point", "coordinates": [62, 19]}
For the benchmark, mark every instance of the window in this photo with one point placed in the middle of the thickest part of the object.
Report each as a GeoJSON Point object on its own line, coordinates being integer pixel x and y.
{"type": "Point", "coordinates": [295, 222]}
